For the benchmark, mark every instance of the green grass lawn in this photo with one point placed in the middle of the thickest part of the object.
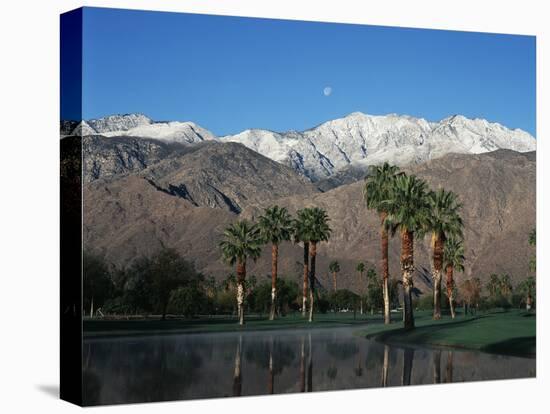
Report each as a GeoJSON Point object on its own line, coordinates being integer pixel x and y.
{"type": "Point", "coordinates": [512, 332]}
{"type": "Point", "coordinates": [102, 328]}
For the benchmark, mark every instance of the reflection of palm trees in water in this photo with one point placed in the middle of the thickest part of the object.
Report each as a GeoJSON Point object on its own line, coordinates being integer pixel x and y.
{"type": "Point", "coordinates": [449, 368]}
{"type": "Point", "coordinates": [305, 383]}
{"type": "Point", "coordinates": [237, 373]}
{"type": "Point", "coordinates": [270, 383]}
{"type": "Point", "coordinates": [385, 366]}
{"type": "Point", "coordinates": [303, 365]}
{"type": "Point", "coordinates": [310, 367]}
{"type": "Point", "coordinates": [408, 356]}
{"type": "Point", "coordinates": [359, 369]}
{"type": "Point", "coordinates": [437, 366]}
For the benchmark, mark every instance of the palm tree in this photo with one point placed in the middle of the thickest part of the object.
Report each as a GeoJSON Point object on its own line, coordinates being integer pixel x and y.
{"type": "Point", "coordinates": [275, 227]}
{"type": "Point", "coordinates": [444, 221]}
{"type": "Point", "coordinates": [378, 185]}
{"type": "Point", "coordinates": [506, 286]}
{"type": "Point", "coordinates": [241, 240]}
{"type": "Point", "coordinates": [300, 234]}
{"type": "Point", "coordinates": [493, 285]}
{"type": "Point", "coordinates": [527, 287]}
{"type": "Point", "coordinates": [316, 231]}
{"type": "Point", "coordinates": [334, 268]}
{"type": "Point", "coordinates": [360, 269]}
{"type": "Point", "coordinates": [407, 208]}
{"type": "Point", "coordinates": [453, 259]}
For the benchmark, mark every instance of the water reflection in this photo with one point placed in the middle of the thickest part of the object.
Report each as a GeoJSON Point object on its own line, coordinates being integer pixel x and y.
{"type": "Point", "coordinates": [127, 370]}
{"type": "Point", "coordinates": [408, 356]}
{"type": "Point", "coordinates": [449, 370]}
{"type": "Point", "coordinates": [385, 366]}
{"type": "Point", "coordinates": [437, 366]}
{"type": "Point", "coordinates": [237, 373]}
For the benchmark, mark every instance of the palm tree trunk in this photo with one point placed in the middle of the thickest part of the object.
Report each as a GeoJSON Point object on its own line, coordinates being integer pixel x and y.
{"type": "Point", "coordinates": [437, 264]}
{"type": "Point", "coordinates": [312, 255]}
{"type": "Point", "coordinates": [241, 277]}
{"type": "Point", "coordinates": [407, 268]}
{"type": "Point", "coordinates": [334, 281]}
{"type": "Point", "coordinates": [274, 259]}
{"type": "Point", "coordinates": [385, 269]}
{"type": "Point", "coordinates": [450, 283]}
{"type": "Point", "coordinates": [306, 276]}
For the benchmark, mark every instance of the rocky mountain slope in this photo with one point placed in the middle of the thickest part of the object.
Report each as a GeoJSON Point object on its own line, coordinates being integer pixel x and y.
{"type": "Point", "coordinates": [184, 201]}
{"type": "Point", "coordinates": [139, 125]}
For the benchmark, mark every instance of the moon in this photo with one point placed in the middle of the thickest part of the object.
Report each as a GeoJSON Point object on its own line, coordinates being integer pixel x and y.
{"type": "Point", "coordinates": [327, 91]}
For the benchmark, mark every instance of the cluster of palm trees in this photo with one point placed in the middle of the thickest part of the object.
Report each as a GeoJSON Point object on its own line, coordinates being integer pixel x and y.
{"type": "Point", "coordinates": [243, 240]}
{"type": "Point", "coordinates": [405, 204]}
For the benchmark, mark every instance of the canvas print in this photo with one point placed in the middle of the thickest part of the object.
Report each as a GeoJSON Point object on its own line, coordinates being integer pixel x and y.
{"type": "Point", "coordinates": [259, 206]}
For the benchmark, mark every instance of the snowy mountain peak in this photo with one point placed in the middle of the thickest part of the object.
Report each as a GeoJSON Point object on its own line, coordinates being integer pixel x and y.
{"type": "Point", "coordinates": [360, 139]}
{"type": "Point", "coordinates": [119, 122]}
{"type": "Point", "coordinates": [141, 126]}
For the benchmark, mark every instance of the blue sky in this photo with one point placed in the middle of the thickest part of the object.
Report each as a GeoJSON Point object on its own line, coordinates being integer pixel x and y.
{"type": "Point", "coordinates": [228, 74]}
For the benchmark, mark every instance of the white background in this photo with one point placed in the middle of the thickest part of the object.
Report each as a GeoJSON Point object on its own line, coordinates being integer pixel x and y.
{"type": "Point", "coordinates": [29, 208]}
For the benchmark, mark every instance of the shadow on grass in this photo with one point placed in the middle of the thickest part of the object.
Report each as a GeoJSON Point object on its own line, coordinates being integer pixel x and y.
{"type": "Point", "coordinates": [439, 334]}
{"type": "Point", "coordinates": [525, 347]}
{"type": "Point", "coordinates": [420, 332]}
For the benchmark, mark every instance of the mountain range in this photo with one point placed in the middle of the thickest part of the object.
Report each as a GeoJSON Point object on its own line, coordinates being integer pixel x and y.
{"type": "Point", "coordinates": [149, 185]}
{"type": "Point", "coordinates": [184, 196]}
{"type": "Point", "coordinates": [335, 147]}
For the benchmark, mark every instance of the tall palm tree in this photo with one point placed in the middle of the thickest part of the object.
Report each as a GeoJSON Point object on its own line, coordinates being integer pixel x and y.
{"type": "Point", "coordinates": [241, 241]}
{"type": "Point", "coordinates": [275, 227]}
{"type": "Point", "coordinates": [300, 234]}
{"type": "Point", "coordinates": [317, 230]}
{"type": "Point", "coordinates": [408, 211]}
{"type": "Point", "coordinates": [334, 268]}
{"type": "Point", "coordinates": [360, 270]}
{"type": "Point", "coordinates": [453, 259]}
{"type": "Point", "coordinates": [444, 221]}
{"type": "Point", "coordinates": [378, 186]}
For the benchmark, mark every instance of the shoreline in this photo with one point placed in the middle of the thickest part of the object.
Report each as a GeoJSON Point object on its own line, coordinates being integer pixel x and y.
{"type": "Point", "coordinates": [511, 333]}
{"type": "Point", "coordinates": [93, 329]}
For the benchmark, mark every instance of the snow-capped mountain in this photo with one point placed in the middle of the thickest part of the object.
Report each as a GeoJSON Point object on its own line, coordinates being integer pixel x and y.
{"type": "Point", "coordinates": [357, 140]}
{"type": "Point", "coordinates": [141, 126]}
{"type": "Point", "coordinates": [183, 132]}
{"type": "Point", "coordinates": [360, 140]}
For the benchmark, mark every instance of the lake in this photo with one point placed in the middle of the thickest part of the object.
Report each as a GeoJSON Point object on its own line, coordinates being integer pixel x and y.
{"type": "Point", "coordinates": [190, 366]}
